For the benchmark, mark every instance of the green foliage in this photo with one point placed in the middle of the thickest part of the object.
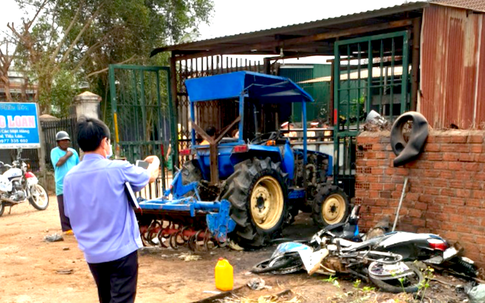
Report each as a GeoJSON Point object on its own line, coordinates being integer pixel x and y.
{"type": "Point", "coordinates": [332, 280]}
{"type": "Point", "coordinates": [428, 274]}
{"type": "Point", "coordinates": [84, 36]}
{"type": "Point", "coordinates": [64, 89]}
{"type": "Point", "coordinates": [358, 295]}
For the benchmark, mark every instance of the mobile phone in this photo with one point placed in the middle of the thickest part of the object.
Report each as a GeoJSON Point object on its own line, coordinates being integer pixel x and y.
{"type": "Point", "coordinates": [142, 163]}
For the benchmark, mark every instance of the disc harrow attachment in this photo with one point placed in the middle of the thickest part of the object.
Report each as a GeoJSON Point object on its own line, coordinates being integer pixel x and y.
{"type": "Point", "coordinates": [168, 234]}
{"type": "Point", "coordinates": [184, 221]}
{"type": "Point", "coordinates": [175, 220]}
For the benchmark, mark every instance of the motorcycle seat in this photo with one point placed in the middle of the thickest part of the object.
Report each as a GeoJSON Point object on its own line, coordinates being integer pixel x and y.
{"type": "Point", "coordinates": [347, 245]}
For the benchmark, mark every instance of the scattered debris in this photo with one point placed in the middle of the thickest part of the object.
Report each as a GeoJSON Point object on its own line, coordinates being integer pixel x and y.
{"type": "Point", "coordinates": [476, 294]}
{"type": "Point", "coordinates": [286, 296]}
{"type": "Point", "coordinates": [375, 122]}
{"type": "Point", "coordinates": [53, 238]}
{"type": "Point", "coordinates": [65, 248]}
{"type": "Point", "coordinates": [189, 257]}
{"type": "Point", "coordinates": [64, 271]}
{"type": "Point", "coordinates": [257, 284]}
{"type": "Point", "coordinates": [214, 292]}
{"type": "Point", "coordinates": [150, 250]}
{"type": "Point", "coordinates": [379, 229]}
{"type": "Point", "coordinates": [234, 246]}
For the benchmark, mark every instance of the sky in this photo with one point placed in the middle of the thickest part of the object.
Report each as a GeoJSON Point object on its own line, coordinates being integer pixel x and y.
{"type": "Point", "coordinates": [240, 16]}
{"type": "Point", "coordinates": [232, 17]}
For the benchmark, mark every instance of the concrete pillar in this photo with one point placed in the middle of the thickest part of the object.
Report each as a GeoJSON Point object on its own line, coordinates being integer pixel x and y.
{"type": "Point", "coordinates": [87, 104]}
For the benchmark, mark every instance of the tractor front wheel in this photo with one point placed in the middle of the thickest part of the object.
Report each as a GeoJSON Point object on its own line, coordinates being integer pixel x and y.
{"type": "Point", "coordinates": [331, 206]}
{"type": "Point", "coordinates": [257, 191]}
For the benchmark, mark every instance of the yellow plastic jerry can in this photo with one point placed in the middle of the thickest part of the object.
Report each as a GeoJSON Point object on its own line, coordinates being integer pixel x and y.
{"type": "Point", "coordinates": [224, 275]}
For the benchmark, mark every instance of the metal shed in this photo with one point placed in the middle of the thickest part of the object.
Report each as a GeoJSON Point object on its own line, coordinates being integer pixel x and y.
{"type": "Point", "coordinates": [445, 47]}
{"type": "Point", "coordinates": [425, 56]}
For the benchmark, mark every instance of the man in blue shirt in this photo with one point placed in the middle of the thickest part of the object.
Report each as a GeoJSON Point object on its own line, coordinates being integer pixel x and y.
{"type": "Point", "coordinates": [101, 217]}
{"type": "Point", "coordinates": [63, 158]}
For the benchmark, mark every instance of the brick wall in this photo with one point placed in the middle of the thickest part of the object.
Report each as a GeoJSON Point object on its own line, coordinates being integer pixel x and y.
{"type": "Point", "coordinates": [446, 187]}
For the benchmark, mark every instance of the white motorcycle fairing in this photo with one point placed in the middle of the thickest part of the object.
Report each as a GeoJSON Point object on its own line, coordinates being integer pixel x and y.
{"type": "Point", "coordinates": [5, 184]}
{"type": "Point", "coordinates": [12, 173]}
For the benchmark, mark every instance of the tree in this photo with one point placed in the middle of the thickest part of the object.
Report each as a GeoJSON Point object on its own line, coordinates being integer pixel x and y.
{"type": "Point", "coordinates": [71, 39]}
{"type": "Point", "coordinates": [5, 62]}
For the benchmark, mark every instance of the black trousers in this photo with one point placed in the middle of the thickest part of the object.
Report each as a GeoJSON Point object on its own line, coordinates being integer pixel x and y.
{"type": "Point", "coordinates": [116, 280]}
{"type": "Point", "coordinates": [65, 223]}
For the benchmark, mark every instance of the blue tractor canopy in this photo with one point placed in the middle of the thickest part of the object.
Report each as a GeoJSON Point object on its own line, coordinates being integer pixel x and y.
{"type": "Point", "coordinates": [248, 88]}
{"type": "Point", "coordinates": [265, 88]}
{"type": "Point", "coordinates": [257, 97]}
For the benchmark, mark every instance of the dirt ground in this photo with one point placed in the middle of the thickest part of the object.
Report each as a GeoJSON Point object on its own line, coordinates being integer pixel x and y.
{"type": "Point", "coordinates": [32, 270]}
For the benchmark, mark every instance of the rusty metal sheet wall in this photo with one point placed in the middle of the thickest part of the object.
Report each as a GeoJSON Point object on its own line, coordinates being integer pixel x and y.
{"type": "Point", "coordinates": [452, 68]}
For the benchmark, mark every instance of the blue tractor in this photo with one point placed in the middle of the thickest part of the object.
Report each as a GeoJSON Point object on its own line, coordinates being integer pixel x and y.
{"type": "Point", "coordinates": [254, 183]}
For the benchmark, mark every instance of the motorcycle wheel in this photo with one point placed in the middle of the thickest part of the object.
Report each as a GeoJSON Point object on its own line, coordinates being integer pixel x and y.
{"type": "Point", "coordinates": [39, 197]}
{"type": "Point", "coordinates": [287, 263]}
{"type": "Point", "coordinates": [409, 284]}
{"type": "Point", "coordinates": [2, 208]}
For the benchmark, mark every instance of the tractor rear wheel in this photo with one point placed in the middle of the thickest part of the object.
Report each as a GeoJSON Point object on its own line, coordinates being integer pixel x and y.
{"type": "Point", "coordinates": [257, 191]}
{"type": "Point", "coordinates": [191, 172]}
{"type": "Point", "coordinates": [331, 206]}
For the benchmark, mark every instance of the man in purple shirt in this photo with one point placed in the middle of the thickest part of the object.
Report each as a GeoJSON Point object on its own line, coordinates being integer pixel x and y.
{"type": "Point", "coordinates": [101, 217]}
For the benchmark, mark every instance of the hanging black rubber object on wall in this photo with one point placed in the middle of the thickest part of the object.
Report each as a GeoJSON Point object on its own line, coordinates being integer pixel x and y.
{"type": "Point", "coordinates": [408, 150]}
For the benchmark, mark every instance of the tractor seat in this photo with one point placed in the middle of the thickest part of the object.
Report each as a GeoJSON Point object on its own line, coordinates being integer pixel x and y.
{"type": "Point", "coordinates": [229, 140]}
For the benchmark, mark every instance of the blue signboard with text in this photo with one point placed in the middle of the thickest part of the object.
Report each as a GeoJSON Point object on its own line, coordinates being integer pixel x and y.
{"type": "Point", "coordinates": [19, 125]}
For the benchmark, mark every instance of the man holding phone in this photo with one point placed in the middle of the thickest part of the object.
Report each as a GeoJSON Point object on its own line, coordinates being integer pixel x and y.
{"type": "Point", "coordinates": [63, 159]}
{"type": "Point", "coordinates": [101, 217]}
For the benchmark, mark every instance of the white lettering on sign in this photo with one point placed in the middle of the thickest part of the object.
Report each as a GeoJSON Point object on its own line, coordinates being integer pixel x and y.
{"type": "Point", "coordinates": [21, 121]}
{"type": "Point", "coordinates": [3, 122]}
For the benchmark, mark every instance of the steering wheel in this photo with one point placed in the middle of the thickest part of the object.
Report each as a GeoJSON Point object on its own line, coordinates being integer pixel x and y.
{"type": "Point", "coordinates": [260, 139]}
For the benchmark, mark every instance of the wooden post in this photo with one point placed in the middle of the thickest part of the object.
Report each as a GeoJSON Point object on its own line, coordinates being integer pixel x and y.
{"type": "Point", "coordinates": [415, 63]}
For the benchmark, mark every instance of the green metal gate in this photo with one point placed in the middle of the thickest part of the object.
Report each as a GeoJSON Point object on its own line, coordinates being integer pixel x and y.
{"type": "Point", "coordinates": [143, 115]}
{"type": "Point", "coordinates": [375, 69]}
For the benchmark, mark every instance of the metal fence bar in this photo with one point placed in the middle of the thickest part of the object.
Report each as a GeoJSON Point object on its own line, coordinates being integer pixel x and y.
{"type": "Point", "coordinates": [50, 129]}
{"type": "Point", "coordinates": [375, 91]}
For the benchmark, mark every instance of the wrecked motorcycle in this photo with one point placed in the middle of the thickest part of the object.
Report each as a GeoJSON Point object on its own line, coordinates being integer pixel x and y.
{"type": "Point", "coordinates": [17, 185]}
{"type": "Point", "coordinates": [429, 248]}
{"type": "Point", "coordinates": [384, 269]}
{"type": "Point", "coordinates": [385, 259]}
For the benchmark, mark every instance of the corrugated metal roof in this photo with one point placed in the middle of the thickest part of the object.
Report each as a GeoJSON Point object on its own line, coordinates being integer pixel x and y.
{"type": "Point", "coordinates": [478, 5]}
{"type": "Point", "coordinates": [301, 29]}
